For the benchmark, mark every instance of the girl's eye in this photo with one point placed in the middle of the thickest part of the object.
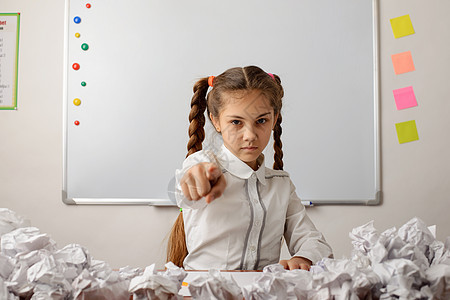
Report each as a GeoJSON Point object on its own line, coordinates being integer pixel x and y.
{"type": "Point", "coordinates": [261, 121]}
{"type": "Point", "coordinates": [236, 122]}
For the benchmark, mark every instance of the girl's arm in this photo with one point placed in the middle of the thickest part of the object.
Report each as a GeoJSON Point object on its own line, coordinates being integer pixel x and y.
{"type": "Point", "coordinates": [303, 239]}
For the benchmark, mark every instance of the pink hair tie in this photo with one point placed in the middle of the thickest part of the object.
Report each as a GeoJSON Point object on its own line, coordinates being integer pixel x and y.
{"type": "Point", "coordinates": [271, 75]}
{"type": "Point", "coordinates": [210, 80]}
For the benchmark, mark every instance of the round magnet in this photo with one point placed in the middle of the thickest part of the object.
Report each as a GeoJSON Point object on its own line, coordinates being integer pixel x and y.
{"type": "Point", "coordinates": [77, 35]}
{"type": "Point", "coordinates": [83, 83]}
{"type": "Point", "coordinates": [76, 66]}
{"type": "Point", "coordinates": [77, 20]}
{"type": "Point", "coordinates": [76, 102]}
{"type": "Point", "coordinates": [76, 122]}
{"type": "Point", "coordinates": [85, 46]}
{"type": "Point", "coordinates": [88, 5]}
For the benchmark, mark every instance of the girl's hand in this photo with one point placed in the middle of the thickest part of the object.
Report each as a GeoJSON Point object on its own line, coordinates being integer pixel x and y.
{"type": "Point", "coordinates": [203, 180]}
{"type": "Point", "coordinates": [296, 262]}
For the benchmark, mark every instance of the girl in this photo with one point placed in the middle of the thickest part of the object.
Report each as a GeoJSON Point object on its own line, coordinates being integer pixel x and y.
{"type": "Point", "coordinates": [235, 211]}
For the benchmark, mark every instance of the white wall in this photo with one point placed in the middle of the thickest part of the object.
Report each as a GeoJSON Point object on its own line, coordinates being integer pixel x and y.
{"type": "Point", "coordinates": [415, 176]}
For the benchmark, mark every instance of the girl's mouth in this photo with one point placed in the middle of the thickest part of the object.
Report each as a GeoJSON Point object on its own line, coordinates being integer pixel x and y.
{"type": "Point", "coordinates": [249, 148]}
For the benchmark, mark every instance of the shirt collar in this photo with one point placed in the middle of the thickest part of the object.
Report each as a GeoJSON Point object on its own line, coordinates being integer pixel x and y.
{"type": "Point", "coordinates": [239, 168]}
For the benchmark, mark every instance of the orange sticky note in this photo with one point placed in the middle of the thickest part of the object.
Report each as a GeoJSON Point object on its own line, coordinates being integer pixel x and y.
{"type": "Point", "coordinates": [402, 62]}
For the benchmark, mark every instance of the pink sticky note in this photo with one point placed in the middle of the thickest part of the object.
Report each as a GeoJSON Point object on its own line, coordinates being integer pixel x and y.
{"type": "Point", "coordinates": [402, 62]}
{"type": "Point", "coordinates": [405, 98]}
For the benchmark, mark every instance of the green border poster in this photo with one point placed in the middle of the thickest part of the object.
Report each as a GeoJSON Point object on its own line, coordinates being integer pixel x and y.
{"type": "Point", "coordinates": [9, 59]}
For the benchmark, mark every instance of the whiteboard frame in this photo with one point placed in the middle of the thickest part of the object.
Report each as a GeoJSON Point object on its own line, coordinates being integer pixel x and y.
{"type": "Point", "coordinates": [376, 200]}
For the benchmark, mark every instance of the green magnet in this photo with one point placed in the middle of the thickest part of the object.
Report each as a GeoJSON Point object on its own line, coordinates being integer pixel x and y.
{"type": "Point", "coordinates": [85, 46]}
{"type": "Point", "coordinates": [83, 83]}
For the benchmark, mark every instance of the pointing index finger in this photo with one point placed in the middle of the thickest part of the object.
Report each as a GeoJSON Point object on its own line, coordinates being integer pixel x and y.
{"type": "Point", "coordinates": [213, 172]}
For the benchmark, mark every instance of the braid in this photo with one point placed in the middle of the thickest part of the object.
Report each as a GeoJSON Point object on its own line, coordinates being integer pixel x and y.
{"type": "Point", "coordinates": [197, 117]}
{"type": "Point", "coordinates": [277, 144]}
{"type": "Point", "coordinates": [176, 247]}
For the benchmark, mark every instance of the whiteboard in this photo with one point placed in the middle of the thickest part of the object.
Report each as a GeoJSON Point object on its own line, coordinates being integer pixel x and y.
{"type": "Point", "coordinates": [144, 56]}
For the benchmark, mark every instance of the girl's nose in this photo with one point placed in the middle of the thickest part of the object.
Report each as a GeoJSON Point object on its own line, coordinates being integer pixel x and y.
{"type": "Point", "coordinates": [249, 134]}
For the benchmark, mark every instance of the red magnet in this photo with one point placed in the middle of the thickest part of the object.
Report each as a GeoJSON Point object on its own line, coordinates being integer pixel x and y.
{"type": "Point", "coordinates": [76, 66]}
{"type": "Point", "coordinates": [76, 122]}
{"type": "Point", "coordinates": [88, 5]}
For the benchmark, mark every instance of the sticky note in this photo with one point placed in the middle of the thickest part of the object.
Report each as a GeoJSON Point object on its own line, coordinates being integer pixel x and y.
{"type": "Point", "coordinates": [402, 26]}
{"type": "Point", "coordinates": [402, 62]}
{"type": "Point", "coordinates": [405, 98]}
{"type": "Point", "coordinates": [407, 131]}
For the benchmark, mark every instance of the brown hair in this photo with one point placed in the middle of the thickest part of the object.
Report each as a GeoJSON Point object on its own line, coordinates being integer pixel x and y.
{"type": "Point", "coordinates": [235, 79]}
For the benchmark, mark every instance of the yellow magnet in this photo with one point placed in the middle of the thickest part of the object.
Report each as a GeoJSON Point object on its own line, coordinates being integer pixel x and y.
{"type": "Point", "coordinates": [77, 101]}
{"type": "Point", "coordinates": [77, 35]}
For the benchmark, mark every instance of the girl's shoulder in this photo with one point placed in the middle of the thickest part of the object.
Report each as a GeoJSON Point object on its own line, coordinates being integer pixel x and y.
{"type": "Point", "coordinates": [271, 173]}
{"type": "Point", "coordinates": [279, 178]}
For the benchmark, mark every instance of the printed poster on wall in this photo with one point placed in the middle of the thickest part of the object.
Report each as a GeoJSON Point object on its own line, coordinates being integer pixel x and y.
{"type": "Point", "coordinates": [9, 50]}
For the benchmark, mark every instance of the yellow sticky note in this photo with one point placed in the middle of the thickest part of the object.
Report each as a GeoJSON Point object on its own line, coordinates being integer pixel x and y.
{"type": "Point", "coordinates": [407, 131]}
{"type": "Point", "coordinates": [402, 26]}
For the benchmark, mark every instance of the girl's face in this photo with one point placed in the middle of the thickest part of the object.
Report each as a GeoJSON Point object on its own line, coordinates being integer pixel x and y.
{"type": "Point", "coordinates": [246, 122]}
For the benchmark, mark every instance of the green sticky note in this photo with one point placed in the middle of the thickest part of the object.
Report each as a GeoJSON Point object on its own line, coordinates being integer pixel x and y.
{"type": "Point", "coordinates": [407, 131]}
{"type": "Point", "coordinates": [402, 26]}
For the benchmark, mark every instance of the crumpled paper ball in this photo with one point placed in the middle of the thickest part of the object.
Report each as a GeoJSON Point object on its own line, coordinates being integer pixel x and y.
{"type": "Point", "coordinates": [215, 285]}
{"type": "Point", "coordinates": [25, 240]}
{"type": "Point", "coordinates": [158, 285]}
{"type": "Point", "coordinates": [100, 282]}
{"type": "Point", "coordinates": [4, 292]}
{"type": "Point", "coordinates": [10, 221]}
{"type": "Point", "coordinates": [277, 283]}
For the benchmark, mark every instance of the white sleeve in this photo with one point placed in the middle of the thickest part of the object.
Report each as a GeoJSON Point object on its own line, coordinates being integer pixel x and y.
{"type": "Point", "coordinates": [190, 161]}
{"type": "Point", "coordinates": [302, 237]}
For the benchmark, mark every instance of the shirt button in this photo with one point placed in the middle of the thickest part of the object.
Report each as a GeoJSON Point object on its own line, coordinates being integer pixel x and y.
{"type": "Point", "coordinates": [257, 223]}
{"type": "Point", "coordinates": [252, 248]}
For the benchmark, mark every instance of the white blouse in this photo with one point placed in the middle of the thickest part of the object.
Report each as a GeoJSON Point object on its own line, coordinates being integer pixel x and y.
{"type": "Point", "coordinates": [244, 228]}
